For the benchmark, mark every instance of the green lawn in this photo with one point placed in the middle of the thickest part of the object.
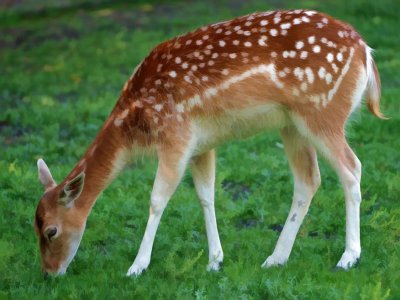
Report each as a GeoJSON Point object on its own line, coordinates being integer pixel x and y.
{"type": "Point", "coordinates": [61, 73]}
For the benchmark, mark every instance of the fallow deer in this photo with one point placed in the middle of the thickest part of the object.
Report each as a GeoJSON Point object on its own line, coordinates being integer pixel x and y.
{"type": "Point", "coordinates": [298, 71]}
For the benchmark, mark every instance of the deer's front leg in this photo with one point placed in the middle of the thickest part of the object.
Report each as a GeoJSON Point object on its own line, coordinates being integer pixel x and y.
{"type": "Point", "coordinates": [203, 172]}
{"type": "Point", "coordinates": [171, 166]}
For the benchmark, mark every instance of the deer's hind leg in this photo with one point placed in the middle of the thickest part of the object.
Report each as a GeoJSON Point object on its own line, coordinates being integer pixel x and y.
{"type": "Point", "coordinates": [304, 165]}
{"type": "Point", "coordinates": [329, 139]}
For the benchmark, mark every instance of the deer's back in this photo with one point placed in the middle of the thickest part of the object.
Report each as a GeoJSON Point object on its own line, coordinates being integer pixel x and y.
{"type": "Point", "coordinates": [231, 73]}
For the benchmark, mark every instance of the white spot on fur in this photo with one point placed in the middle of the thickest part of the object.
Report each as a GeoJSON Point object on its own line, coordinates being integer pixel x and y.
{"type": "Point", "coordinates": [247, 44]}
{"type": "Point", "coordinates": [194, 101]}
{"type": "Point", "coordinates": [263, 22]}
{"type": "Point", "coordinates": [321, 72]}
{"type": "Point", "coordinates": [317, 49]}
{"type": "Point", "coordinates": [315, 99]}
{"type": "Point", "coordinates": [210, 92]}
{"type": "Point", "coordinates": [311, 39]}
{"type": "Point", "coordinates": [222, 43]}
{"type": "Point", "coordinates": [118, 122]}
{"type": "Point", "coordinates": [273, 32]}
{"type": "Point", "coordinates": [310, 75]}
{"type": "Point", "coordinates": [124, 114]}
{"type": "Point", "coordinates": [172, 74]}
{"type": "Point", "coordinates": [339, 56]}
{"type": "Point", "coordinates": [328, 78]}
{"type": "Point", "coordinates": [310, 12]}
{"type": "Point", "coordinates": [335, 68]}
{"type": "Point", "coordinates": [285, 54]}
{"type": "Point", "coordinates": [277, 20]}
{"type": "Point", "coordinates": [180, 108]}
{"type": "Point", "coordinates": [296, 21]}
{"type": "Point", "coordinates": [261, 41]}
{"type": "Point", "coordinates": [158, 107]}
{"type": "Point", "coordinates": [303, 54]}
{"type": "Point", "coordinates": [329, 57]}
{"type": "Point", "coordinates": [299, 73]}
{"type": "Point", "coordinates": [299, 45]}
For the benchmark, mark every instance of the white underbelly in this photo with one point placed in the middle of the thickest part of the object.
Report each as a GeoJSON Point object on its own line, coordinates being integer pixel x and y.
{"type": "Point", "coordinates": [236, 124]}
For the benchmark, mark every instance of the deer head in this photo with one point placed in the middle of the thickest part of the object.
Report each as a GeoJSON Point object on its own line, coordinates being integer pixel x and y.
{"type": "Point", "coordinates": [58, 223]}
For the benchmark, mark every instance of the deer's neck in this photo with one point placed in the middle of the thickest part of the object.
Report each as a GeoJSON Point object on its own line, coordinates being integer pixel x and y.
{"type": "Point", "coordinates": [102, 162]}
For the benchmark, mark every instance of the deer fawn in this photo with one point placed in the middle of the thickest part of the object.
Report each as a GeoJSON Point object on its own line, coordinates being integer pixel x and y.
{"type": "Point", "coordinates": [298, 71]}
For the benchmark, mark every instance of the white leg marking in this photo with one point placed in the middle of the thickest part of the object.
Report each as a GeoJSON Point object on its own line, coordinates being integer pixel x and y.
{"type": "Point", "coordinates": [351, 185]}
{"type": "Point", "coordinates": [203, 172]}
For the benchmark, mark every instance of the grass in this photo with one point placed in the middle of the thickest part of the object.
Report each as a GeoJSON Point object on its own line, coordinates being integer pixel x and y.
{"type": "Point", "coordinates": [61, 73]}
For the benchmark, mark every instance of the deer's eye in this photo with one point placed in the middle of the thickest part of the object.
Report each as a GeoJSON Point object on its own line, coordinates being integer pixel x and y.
{"type": "Point", "coordinates": [50, 233]}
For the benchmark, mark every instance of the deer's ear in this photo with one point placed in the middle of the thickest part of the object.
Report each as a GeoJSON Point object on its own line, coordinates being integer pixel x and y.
{"type": "Point", "coordinates": [44, 174]}
{"type": "Point", "coordinates": [72, 190]}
